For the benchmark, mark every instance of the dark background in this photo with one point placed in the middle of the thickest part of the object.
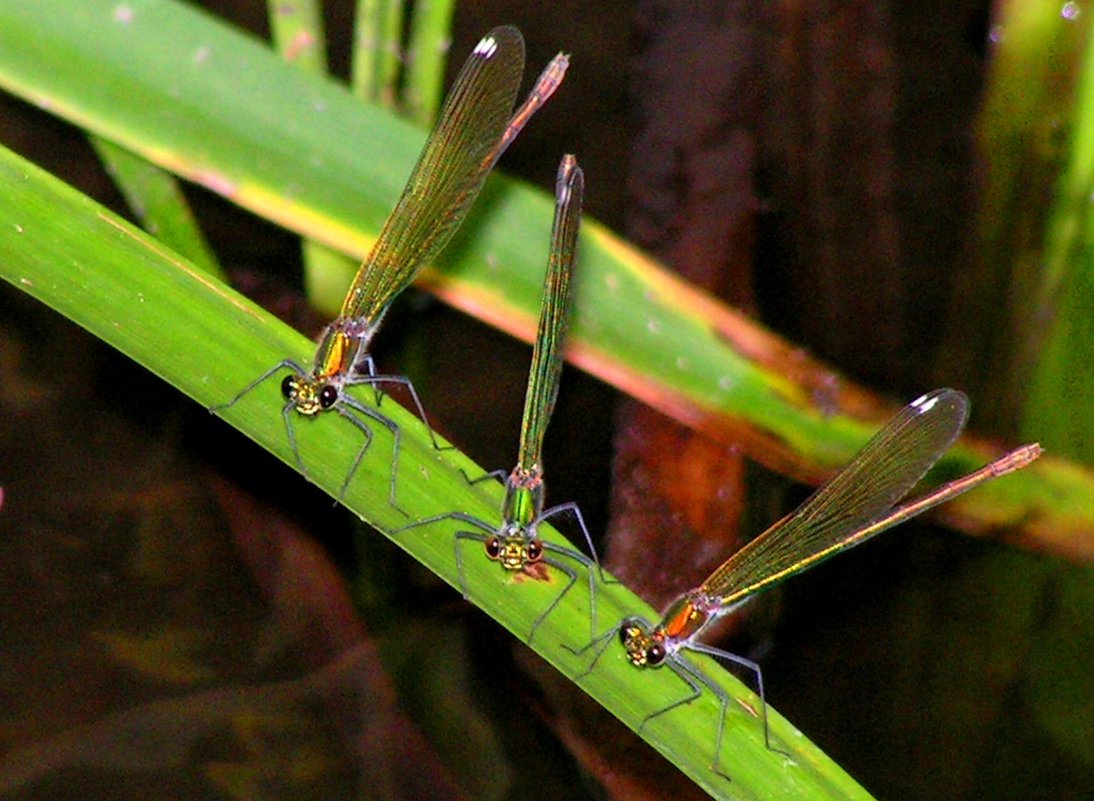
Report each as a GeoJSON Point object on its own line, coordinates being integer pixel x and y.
{"type": "Point", "coordinates": [815, 166]}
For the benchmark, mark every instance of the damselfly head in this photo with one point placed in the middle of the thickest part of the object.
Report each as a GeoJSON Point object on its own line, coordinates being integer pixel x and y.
{"type": "Point", "coordinates": [643, 646]}
{"type": "Point", "coordinates": [307, 395]}
{"type": "Point", "coordinates": [514, 551]}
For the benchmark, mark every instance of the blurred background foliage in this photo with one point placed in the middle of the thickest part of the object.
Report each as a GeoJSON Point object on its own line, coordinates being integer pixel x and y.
{"type": "Point", "coordinates": [901, 189]}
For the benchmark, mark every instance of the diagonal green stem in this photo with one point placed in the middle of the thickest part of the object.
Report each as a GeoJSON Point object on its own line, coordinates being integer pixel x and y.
{"type": "Point", "coordinates": [203, 338]}
{"type": "Point", "coordinates": [213, 105]}
{"type": "Point", "coordinates": [156, 199]}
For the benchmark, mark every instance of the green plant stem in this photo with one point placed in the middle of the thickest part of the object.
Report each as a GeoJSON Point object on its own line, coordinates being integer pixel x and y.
{"type": "Point", "coordinates": [376, 53]}
{"type": "Point", "coordinates": [211, 104]}
{"type": "Point", "coordinates": [430, 37]}
{"type": "Point", "coordinates": [206, 340]}
{"type": "Point", "coordinates": [157, 200]}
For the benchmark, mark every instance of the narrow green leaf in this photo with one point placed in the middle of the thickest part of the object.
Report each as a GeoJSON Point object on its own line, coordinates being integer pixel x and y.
{"type": "Point", "coordinates": [377, 49]}
{"type": "Point", "coordinates": [389, 51]}
{"type": "Point", "coordinates": [297, 30]}
{"type": "Point", "coordinates": [205, 339]}
{"type": "Point", "coordinates": [214, 105]}
{"type": "Point", "coordinates": [156, 199]}
{"type": "Point", "coordinates": [1003, 305]}
{"type": "Point", "coordinates": [1062, 389]}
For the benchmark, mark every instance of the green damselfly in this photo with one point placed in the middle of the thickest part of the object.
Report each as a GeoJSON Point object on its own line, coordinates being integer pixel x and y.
{"type": "Point", "coordinates": [476, 125]}
{"type": "Point", "coordinates": [515, 544]}
{"type": "Point", "coordinates": [857, 503]}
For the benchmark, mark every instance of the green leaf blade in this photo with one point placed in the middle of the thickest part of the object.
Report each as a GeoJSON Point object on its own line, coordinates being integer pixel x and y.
{"type": "Point", "coordinates": [202, 337]}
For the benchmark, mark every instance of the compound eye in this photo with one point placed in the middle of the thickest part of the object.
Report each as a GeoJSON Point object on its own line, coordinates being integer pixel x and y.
{"type": "Point", "coordinates": [534, 550]}
{"type": "Point", "coordinates": [628, 631]}
{"type": "Point", "coordinates": [288, 387]}
{"type": "Point", "coordinates": [493, 547]}
{"type": "Point", "coordinates": [328, 396]}
{"type": "Point", "coordinates": [656, 654]}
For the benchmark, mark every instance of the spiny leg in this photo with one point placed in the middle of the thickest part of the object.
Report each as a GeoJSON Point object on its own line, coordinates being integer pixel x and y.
{"type": "Point", "coordinates": [571, 574]}
{"type": "Point", "coordinates": [575, 510]}
{"type": "Point", "coordinates": [587, 563]}
{"type": "Point", "coordinates": [285, 410]}
{"type": "Point", "coordinates": [291, 435]}
{"type": "Point", "coordinates": [500, 475]}
{"type": "Point", "coordinates": [601, 641]}
{"type": "Point", "coordinates": [467, 535]}
{"type": "Point", "coordinates": [752, 667]}
{"type": "Point", "coordinates": [386, 422]}
{"type": "Point", "coordinates": [676, 664]}
{"type": "Point", "coordinates": [375, 380]}
{"type": "Point", "coordinates": [364, 370]}
{"type": "Point", "coordinates": [283, 364]}
{"type": "Point", "coordinates": [366, 434]}
{"type": "Point", "coordinates": [463, 517]}
{"type": "Point", "coordinates": [684, 670]}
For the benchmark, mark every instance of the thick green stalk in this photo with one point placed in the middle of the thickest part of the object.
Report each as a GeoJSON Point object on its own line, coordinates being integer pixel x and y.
{"type": "Point", "coordinates": [208, 341]}
{"type": "Point", "coordinates": [216, 106]}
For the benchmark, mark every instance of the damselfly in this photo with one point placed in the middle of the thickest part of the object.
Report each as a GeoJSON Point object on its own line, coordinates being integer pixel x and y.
{"type": "Point", "coordinates": [476, 125]}
{"type": "Point", "coordinates": [515, 544]}
{"type": "Point", "coordinates": [857, 503]}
